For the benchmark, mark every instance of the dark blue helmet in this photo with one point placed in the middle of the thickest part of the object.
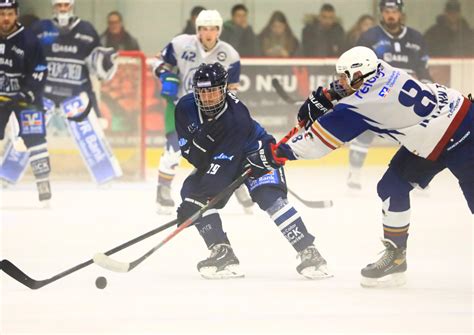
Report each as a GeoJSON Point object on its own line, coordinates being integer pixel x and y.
{"type": "Point", "coordinates": [210, 88]}
{"type": "Point", "coordinates": [391, 4]}
{"type": "Point", "coordinates": [6, 4]}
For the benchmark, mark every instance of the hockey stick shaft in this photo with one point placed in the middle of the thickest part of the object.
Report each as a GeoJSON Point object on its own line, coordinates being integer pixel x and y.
{"type": "Point", "coordinates": [282, 94]}
{"type": "Point", "coordinates": [110, 264]}
{"type": "Point", "coordinates": [13, 271]}
{"type": "Point", "coordinates": [311, 203]}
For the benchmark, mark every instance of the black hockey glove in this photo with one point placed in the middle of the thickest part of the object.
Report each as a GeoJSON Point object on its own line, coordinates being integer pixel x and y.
{"type": "Point", "coordinates": [209, 135]}
{"type": "Point", "coordinates": [263, 160]}
{"type": "Point", "coordinates": [315, 106]}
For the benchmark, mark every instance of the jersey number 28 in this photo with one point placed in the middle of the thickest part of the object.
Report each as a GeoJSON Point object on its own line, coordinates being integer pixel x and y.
{"type": "Point", "coordinates": [421, 107]}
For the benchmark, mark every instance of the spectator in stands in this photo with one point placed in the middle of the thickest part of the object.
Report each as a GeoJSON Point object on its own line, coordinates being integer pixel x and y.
{"type": "Point", "coordinates": [451, 35]}
{"type": "Point", "coordinates": [191, 22]}
{"type": "Point", "coordinates": [323, 36]}
{"type": "Point", "coordinates": [238, 33]}
{"type": "Point", "coordinates": [277, 38]}
{"type": "Point", "coordinates": [364, 23]}
{"type": "Point", "coordinates": [115, 36]}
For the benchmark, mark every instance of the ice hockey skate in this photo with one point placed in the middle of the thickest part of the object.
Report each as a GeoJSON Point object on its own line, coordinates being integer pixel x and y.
{"type": "Point", "coordinates": [313, 265]}
{"type": "Point", "coordinates": [389, 270]}
{"type": "Point", "coordinates": [353, 180]}
{"type": "Point", "coordinates": [44, 193]}
{"type": "Point", "coordinates": [244, 199]}
{"type": "Point", "coordinates": [221, 264]}
{"type": "Point", "coordinates": [164, 202]}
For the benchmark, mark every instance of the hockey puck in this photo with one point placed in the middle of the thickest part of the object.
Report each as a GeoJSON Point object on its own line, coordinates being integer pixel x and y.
{"type": "Point", "coordinates": [101, 282]}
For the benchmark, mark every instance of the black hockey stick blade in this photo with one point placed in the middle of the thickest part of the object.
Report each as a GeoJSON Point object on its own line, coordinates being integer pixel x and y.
{"type": "Point", "coordinates": [312, 203]}
{"type": "Point", "coordinates": [106, 262]}
{"type": "Point", "coordinates": [13, 271]}
{"type": "Point", "coordinates": [282, 94]}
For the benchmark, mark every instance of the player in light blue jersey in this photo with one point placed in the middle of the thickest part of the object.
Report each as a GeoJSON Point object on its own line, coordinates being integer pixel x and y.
{"type": "Point", "coordinates": [433, 123]}
{"type": "Point", "coordinates": [175, 68]}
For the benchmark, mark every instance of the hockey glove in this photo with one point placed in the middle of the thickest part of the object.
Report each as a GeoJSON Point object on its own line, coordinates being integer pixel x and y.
{"type": "Point", "coordinates": [169, 84]}
{"type": "Point", "coordinates": [263, 160]}
{"type": "Point", "coordinates": [315, 106]}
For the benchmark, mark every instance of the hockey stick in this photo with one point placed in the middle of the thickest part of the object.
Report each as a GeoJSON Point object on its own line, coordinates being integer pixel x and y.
{"type": "Point", "coordinates": [106, 262]}
{"type": "Point", "coordinates": [13, 271]}
{"type": "Point", "coordinates": [282, 94]}
{"type": "Point", "coordinates": [310, 203]}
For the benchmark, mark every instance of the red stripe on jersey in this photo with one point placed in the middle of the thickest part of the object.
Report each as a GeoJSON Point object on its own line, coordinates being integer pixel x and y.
{"type": "Point", "coordinates": [332, 147]}
{"type": "Point", "coordinates": [460, 115]}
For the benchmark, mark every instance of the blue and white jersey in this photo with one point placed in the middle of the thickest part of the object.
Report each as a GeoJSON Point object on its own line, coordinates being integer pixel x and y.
{"type": "Point", "coordinates": [22, 65]}
{"type": "Point", "coordinates": [421, 117]}
{"type": "Point", "coordinates": [186, 53]}
{"type": "Point", "coordinates": [66, 52]}
{"type": "Point", "coordinates": [406, 51]}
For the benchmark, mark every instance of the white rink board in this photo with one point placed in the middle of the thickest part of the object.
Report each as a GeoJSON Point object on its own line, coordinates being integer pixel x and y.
{"type": "Point", "coordinates": [165, 295]}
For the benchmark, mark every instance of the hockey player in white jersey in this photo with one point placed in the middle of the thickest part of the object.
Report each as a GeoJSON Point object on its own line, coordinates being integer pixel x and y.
{"type": "Point", "coordinates": [400, 46]}
{"type": "Point", "coordinates": [433, 123]}
{"type": "Point", "coordinates": [175, 68]}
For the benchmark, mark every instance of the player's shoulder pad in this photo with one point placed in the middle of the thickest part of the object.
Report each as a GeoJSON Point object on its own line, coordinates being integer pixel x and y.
{"type": "Point", "coordinates": [42, 25]}
{"type": "Point", "coordinates": [86, 27]}
{"type": "Point", "coordinates": [414, 34]}
{"type": "Point", "coordinates": [239, 109]}
{"type": "Point", "coordinates": [183, 38]}
{"type": "Point", "coordinates": [231, 50]}
{"type": "Point", "coordinates": [186, 103]}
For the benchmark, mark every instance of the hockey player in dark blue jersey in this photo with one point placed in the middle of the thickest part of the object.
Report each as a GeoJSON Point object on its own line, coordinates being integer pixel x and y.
{"type": "Point", "coordinates": [23, 72]}
{"type": "Point", "coordinates": [400, 46]}
{"type": "Point", "coordinates": [218, 137]}
{"type": "Point", "coordinates": [73, 53]}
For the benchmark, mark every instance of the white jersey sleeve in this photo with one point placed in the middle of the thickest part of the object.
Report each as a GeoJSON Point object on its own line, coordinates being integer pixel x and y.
{"type": "Point", "coordinates": [421, 117]}
{"type": "Point", "coordinates": [186, 53]}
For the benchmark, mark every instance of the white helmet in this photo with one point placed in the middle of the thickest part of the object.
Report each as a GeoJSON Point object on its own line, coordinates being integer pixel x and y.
{"type": "Point", "coordinates": [209, 18]}
{"type": "Point", "coordinates": [357, 59]}
{"type": "Point", "coordinates": [63, 19]}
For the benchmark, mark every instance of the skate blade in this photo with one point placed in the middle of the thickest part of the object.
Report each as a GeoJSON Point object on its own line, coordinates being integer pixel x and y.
{"type": "Point", "coordinates": [45, 204]}
{"type": "Point", "coordinates": [230, 272]}
{"type": "Point", "coordinates": [316, 274]}
{"type": "Point", "coordinates": [393, 280]}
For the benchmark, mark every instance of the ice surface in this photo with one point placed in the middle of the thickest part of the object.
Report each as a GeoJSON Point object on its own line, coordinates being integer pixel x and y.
{"type": "Point", "coordinates": [165, 294]}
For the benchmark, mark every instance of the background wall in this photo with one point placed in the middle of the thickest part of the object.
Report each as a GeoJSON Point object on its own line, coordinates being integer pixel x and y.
{"type": "Point", "coordinates": [155, 22]}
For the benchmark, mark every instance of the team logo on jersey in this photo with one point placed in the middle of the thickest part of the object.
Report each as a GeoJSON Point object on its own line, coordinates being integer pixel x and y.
{"type": "Point", "coordinates": [182, 142]}
{"type": "Point", "coordinates": [223, 156]}
{"type": "Point", "coordinates": [84, 37]}
{"type": "Point", "coordinates": [64, 48]}
{"type": "Point", "coordinates": [2, 49]}
{"type": "Point", "coordinates": [18, 51]}
{"type": "Point", "coordinates": [221, 56]}
{"type": "Point", "coordinates": [192, 127]}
